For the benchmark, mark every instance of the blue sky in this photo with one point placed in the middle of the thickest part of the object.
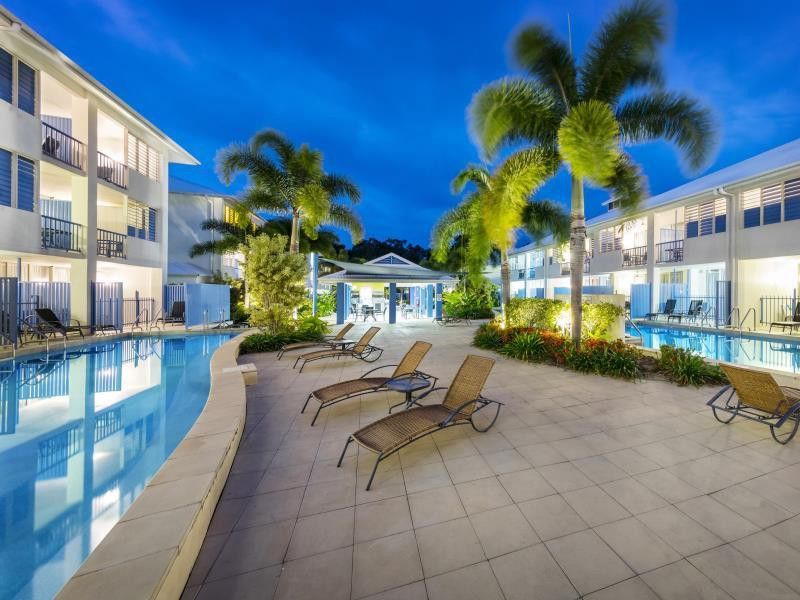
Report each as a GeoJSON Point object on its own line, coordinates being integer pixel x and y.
{"type": "Point", "coordinates": [382, 87]}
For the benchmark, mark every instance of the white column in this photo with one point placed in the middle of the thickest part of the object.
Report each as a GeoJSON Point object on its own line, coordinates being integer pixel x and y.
{"type": "Point", "coordinates": [731, 260]}
{"type": "Point", "coordinates": [651, 255]}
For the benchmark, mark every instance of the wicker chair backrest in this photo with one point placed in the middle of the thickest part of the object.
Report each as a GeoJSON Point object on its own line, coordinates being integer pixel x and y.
{"type": "Point", "coordinates": [343, 331]}
{"type": "Point", "coordinates": [757, 389]}
{"type": "Point", "coordinates": [468, 382]}
{"type": "Point", "coordinates": [412, 359]}
{"type": "Point", "coordinates": [362, 344]}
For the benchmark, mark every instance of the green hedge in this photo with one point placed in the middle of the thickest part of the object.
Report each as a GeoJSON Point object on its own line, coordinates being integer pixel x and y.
{"type": "Point", "coordinates": [543, 313]}
{"type": "Point", "coordinates": [309, 329]}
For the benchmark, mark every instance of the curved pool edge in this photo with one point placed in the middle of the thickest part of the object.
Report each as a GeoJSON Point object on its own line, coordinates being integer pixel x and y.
{"type": "Point", "coordinates": [150, 552]}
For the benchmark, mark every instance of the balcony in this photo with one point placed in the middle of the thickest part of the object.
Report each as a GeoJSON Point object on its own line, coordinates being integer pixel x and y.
{"type": "Point", "coordinates": [112, 171]}
{"type": "Point", "coordinates": [58, 234]}
{"type": "Point", "coordinates": [669, 252]}
{"type": "Point", "coordinates": [111, 244]}
{"type": "Point", "coordinates": [62, 147]}
{"type": "Point", "coordinates": [634, 257]}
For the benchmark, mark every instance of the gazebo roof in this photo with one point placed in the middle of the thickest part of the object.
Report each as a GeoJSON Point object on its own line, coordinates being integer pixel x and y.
{"type": "Point", "coordinates": [387, 268]}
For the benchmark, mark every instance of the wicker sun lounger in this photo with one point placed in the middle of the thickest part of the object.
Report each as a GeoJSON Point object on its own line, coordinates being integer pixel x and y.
{"type": "Point", "coordinates": [328, 341]}
{"type": "Point", "coordinates": [792, 321]}
{"type": "Point", "coordinates": [367, 384]}
{"type": "Point", "coordinates": [362, 350]}
{"type": "Point", "coordinates": [756, 396]}
{"type": "Point", "coordinates": [461, 406]}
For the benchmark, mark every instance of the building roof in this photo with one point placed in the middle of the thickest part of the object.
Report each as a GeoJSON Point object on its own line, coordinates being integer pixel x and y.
{"type": "Point", "coordinates": [389, 267]}
{"type": "Point", "coordinates": [178, 185]}
{"type": "Point", "coordinates": [27, 35]}
{"type": "Point", "coordinates": [776, 159]}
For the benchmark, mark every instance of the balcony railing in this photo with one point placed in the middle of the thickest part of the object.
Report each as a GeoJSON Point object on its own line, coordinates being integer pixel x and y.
{"type": "Point", "coordinates": [62, 235]}
{"type": "Point", "coordinates": [111, 244]}
{"type": "Point", "coordinates": [62, 147]}
{"type": "Point", "coordinates": [112, 171]}
{"type": "Point", "coordinates": [634, 257]}
{"type": "Point", "coordinates": [669, 252]}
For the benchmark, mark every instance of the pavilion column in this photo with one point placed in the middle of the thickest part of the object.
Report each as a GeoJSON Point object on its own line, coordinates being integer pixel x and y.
{"type": "Point", "coordinates": [341, 303]}
{"type": "Point", "coordinates": [392, 302]}
{"type": "Point", "coordinates": [439, 293]}
{"type": "Point", "coordinates": [429, 301]}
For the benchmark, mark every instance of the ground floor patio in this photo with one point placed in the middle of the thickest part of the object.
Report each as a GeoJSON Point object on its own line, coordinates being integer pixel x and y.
{"type": "Point", "coordinates": [586, 487]}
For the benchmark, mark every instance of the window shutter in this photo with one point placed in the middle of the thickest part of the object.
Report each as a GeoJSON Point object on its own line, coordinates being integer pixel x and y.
{"type": "Point", "coordinates": [26, 183]}
{"type": "Point", "coordinates": [791, 200]}
{"type": "Point", "coordinates": [771, 201]}
{"type": "Point", "coordinates": [751, 205]}
{"type": "Point", "coordinates": [26, 78]}
{"type": "Point", "coordinates": [706, 218]}
{"type": "Point", "coordinates": [151, 224]}
{"type": "Point", "coordinates": [6, 75]}
{"type": "Point", "coordinates": [692, 215]}
{"type": "Point", "coordinates": [720, 215]}
{"type": "Point", "coordinates": [5, 178]}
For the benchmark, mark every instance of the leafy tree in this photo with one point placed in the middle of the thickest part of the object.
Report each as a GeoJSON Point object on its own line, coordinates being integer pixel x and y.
{"type": "Point", "coordinates": [372, 248]}
{"type": "Point", "coordinates": [581, 113]}
{"type": "Point", "coordinates": [497, 206]}
{"type": "Point", "coordinates": [291, 181]}
{"type": "Point", "coordinates": [274, 279]}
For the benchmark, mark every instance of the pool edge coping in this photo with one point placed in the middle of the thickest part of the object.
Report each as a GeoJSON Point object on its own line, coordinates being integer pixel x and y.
{"type": "Point", "coordinates": [148, 553]}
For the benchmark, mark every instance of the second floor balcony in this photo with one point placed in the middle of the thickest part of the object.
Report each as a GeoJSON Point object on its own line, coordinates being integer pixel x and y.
{"type": "Point", "coordinates": [63, 147]}
{"type": "Point", "coordinates": [112, 171]}
{"type": "Point", "coordinates": [58, 234]}
{"type": "Point", "coordinates": [669, 252]}
{"type": "Point", "coordinates": [111, 244]}
{"type": "Point", "coordinates": [634, 257]}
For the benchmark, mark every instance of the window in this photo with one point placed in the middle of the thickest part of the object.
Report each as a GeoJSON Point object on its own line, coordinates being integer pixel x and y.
{"type": "Point", "coordinates": [26, 88]}
{"type": "Point", "coordinates": [610, 239]}
{"type": "Point", "coordinates": [791, 200]}
{"type": "Point", "coordinates": [706, 218]}
{"type": "Point", "coordinates": [229, 214]}
{"type": "Point", "coordinates": [751, 205]}
{"type": "Point", "coordinates": [142, 221]}
{"type": "Point", "coordinates": [772, 204]}
{"type": "Point", "coordinates": [6, 76]}
{"type": "Point", "coordinates": [26, 183]}
{"type": "Point", "coordinates": [537, 258]}
{"type": "Point", "coordinates": [5, 177]}
{"type": "Point", "coordinates": [143, 158]}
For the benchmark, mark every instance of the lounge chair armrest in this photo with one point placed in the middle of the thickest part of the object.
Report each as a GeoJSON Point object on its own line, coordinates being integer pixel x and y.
{"type": "Point", "coordinates": [375, 369]}
{"type": "Point", "coordinates": [430, 391]}
{"type": "Point", "coordinates": [718, 394]}
{"type": "Point", "coordinates": [455, 411]}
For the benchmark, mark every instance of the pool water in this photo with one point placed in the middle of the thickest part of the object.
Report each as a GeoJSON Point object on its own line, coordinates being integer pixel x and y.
{"type": "Point", "coordinates": [741, 350]}
{"type": "Point", "coordinates": [81, 434]}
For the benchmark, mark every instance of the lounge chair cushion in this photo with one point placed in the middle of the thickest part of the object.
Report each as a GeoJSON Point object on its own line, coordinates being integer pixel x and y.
{"type": "Point", "coordinates": [336, 391]}
{"type": "Point", "coordinates": [392, 431]}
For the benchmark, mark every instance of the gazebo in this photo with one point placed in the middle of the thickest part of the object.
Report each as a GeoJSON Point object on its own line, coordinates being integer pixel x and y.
{"type": "Point", "coordinates": [384, 282]}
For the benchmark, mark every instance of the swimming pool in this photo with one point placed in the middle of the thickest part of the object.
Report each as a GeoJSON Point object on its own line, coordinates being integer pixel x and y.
{"type": "Point", "coordinates": [742, 350]}
{"type": "Point", "coordinates": [81, 434]}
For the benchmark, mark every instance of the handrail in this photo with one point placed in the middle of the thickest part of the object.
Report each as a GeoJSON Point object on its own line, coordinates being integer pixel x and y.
{"type": "Point", "coordinates": [159, 314]}
{"type": "Point", "coordinates": [749, 310]}
{"type": "Point", "coordinates": [63, 147]}
{"type": "Point", "coordinates": [730, 320]}
{"type": "Point", "coordinates": [639, 331]}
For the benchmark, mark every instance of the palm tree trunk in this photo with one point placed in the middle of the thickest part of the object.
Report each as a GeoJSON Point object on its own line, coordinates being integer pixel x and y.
{"type": "Point", "coordinates": [577, 250]}
{"type": "Point", "coordinates": [294, 241]}
{"type": "Point", "coordinates": [505, 278]}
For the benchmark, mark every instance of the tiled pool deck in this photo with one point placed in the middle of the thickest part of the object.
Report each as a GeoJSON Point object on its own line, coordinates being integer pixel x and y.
{"type": "Point", "coordinates": [586, 487]}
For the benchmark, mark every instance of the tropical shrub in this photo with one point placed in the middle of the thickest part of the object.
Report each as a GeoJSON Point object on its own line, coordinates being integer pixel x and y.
{"type": "Point", "coordinates": [599, 318]}
{"type": "Point", "coordinates": [313, 327]}
{"type": "Point", "coordinates": [685, 367]}
{"type": "Point", "coordinates": [304, 330]}
{"type": "Point", "coordinates": [543, 313]}
{"type": "Point", "coordinates": [613, 359]}
{"type": "Point", "coordinates": [488, 337]}
{"type": "Point", "coordinates": [326, 305]}
{"type": "Point", "coordinates": [527, 346]}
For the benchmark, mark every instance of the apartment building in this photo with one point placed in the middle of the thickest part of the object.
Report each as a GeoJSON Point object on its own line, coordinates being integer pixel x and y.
{"type": "Point", "coordinates": [191, 204]}
{"type": "Point", "coordinates": [730, 238]}
{"type": "Point", "coordinates": [83, 177]}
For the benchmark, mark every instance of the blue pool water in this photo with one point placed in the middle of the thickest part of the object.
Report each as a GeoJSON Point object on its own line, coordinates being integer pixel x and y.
{"type": "Point", "coordinates": [80, 436]}
{"type": "Point", "coordinates": [741, 350]}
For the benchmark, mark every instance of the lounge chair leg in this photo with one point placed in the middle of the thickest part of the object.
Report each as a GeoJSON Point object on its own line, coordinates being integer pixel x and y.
{"type": "Point", "coordinates": [306, 404]}
{"type": "Point", "coordinates": [305, 362]}
{"type": "Point", "coordinates": [297, 360]}
{"type": "Point", "coordinates": [280, 353]}
{"type": "Point", "coordinates": [341, 458]}
{"type": "Point", "coordinates": [374, 469]}
{"type": "Point", "coordinates": [314, 420]}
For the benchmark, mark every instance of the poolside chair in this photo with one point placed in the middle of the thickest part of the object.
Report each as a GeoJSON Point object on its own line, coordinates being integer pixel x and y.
{"type": "Point", "coordinates": [50, 324]}
{"type": "Point", "coordinates": [328, 341]}
{"type": "Point", "coordinates": [462, 405]}
{"type": "Point", "coordinates": [362, 350]}
{"type": "Point", "coordinates": [177, 313]}
{"type": "Point", "coordinates": [695, 310]}
{"type": "Point", "coordinates": [787, 323]}
{"type": "Point", "coordinates": [669, 309]}
{"type": "Point", "coordinates": [445, 320]}
{"type": "Point", "coordinates": [757, 396]}
{"type": "Point", "coordinates": [344, 390]}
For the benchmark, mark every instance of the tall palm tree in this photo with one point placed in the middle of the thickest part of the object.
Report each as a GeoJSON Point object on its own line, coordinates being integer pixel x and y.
{"type": "Point", "coordinates": [291, 181]}
{"type": "Point", "coordinates": [498, 204]}
{"type": "Point", "coordinates": [583, 113]}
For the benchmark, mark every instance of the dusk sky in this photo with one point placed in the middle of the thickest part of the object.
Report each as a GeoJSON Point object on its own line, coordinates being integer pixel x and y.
{"type": "Point", "coordinates": [382, 87]}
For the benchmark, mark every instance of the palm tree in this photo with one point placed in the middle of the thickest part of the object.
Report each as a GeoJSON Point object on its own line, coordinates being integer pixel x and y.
{"type": "Point", "coordinates": [582, 113]}
{"type": "Point", "coordinates": [292, 182]}
{"type": "Point", "coordinates": [498, 205]}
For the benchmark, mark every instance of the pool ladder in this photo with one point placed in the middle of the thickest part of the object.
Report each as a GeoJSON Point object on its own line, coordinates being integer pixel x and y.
{"type": "Point", "coordinates": [740, 321]}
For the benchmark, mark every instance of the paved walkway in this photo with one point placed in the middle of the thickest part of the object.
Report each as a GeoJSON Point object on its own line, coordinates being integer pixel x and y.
{"type": "Point", "coordinates": [586, 487]}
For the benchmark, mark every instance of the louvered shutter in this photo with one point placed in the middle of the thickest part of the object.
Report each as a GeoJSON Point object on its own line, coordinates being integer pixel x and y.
{"type": "Point", "coordinates": [6, 75]}
{"type": "Point", "coordinates": [706, 218]}
{"type": "Point", "coordinates": [771, 201]}
{"type": "Point", "coordinates": [791, 200]}
{"type": "Point", "coordinates": [151, 224]}
{"type": "Point", "coordinates": [751, 205]}
{"type": "Point", "coordinates": [5, 178]}
{"type": "Point", "coordinates": [692, 221]}
{"type": "Point", "coordinates": [26, 183]}
{"type": "Point", "coordinates": [26, 94]}
{"type": "Point", "coordinates": [720, 215]}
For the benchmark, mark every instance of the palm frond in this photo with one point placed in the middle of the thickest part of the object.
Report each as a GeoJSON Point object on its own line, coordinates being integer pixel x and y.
{"type": "Point", "coordinates": [257, 199]}
{"type": "Point", "coordinates": [476, 174]}
{"type": "Point", "coordinates": [222, 246]}
{"type": "Point", "coordinates": [623, 52]}
{"type": "Point", "coordinates": [588, 140]}
{"type": "Point", "coordinates": [343, 216]}
{"type": "Point", "coordinates": [223, 227]}
{"type": "Point", "coordinates": [238, 158]}
{"type": "Point", "coordinates": [306, 166]}
{"type": "Point", "coordinates": [537, 50]}
{"type": "Point", "coordinates": [513, 110]}
{"type": "Point", "coordinates": [546, 217]}
{"type": "Point", "coordinates": [275, 141]}
{"type": "Point", "coordinates": [676, 117]}
{"type": "Point", "coordinates": [450, 225]}
{"type": "Point", "coordinates": [339, 186]}
{"type": "Point", "coordinates": [628, 185]}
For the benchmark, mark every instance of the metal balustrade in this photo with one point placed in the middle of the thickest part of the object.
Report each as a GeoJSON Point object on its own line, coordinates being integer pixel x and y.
{"type": "Point", "coordinates": [634, 257]}
{"type": "Point", "coordinates": [111, 244]}
{"type": "Point", "coordinates": [112, 171]}
{"type": "Point", "coordinates": [669, 252]}
{"type": "Point", "coordinates": [63, 147]}
{"type": "Point", "coordinates": [59, 234]}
